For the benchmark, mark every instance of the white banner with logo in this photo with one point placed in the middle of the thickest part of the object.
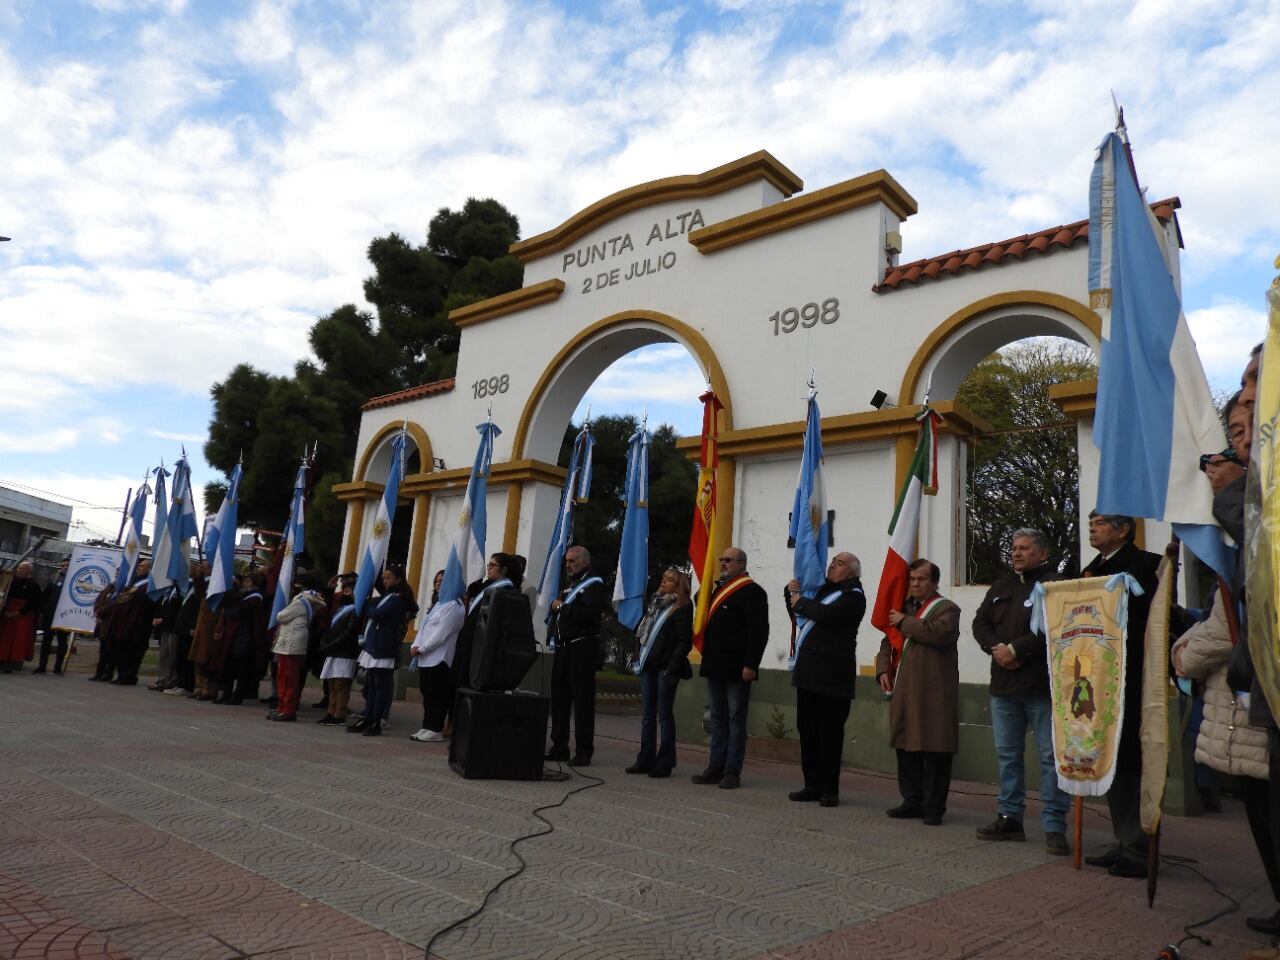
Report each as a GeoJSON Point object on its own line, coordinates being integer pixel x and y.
{"type": "Point", "coordinates": [90, 571]}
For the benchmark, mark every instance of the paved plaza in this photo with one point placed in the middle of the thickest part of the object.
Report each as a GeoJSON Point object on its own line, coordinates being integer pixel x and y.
{"type": "Point", "coordinates": [138, 825]}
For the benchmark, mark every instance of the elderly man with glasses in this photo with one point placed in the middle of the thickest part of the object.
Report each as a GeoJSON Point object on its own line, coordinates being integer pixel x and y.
{"type": "Point", "coordinates": [736, 634]}
{"type": "Point", "coordinates": [824, 674]}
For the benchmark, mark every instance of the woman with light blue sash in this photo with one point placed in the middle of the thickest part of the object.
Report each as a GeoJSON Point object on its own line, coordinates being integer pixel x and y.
{"type": "Point", "coordinates": [665, 634]}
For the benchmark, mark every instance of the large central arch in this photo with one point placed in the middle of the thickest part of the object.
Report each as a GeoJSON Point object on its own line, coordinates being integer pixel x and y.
{"type": "Point", "coordinates": [576, 366]}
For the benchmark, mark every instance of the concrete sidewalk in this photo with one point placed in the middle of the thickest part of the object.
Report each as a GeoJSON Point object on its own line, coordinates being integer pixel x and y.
{"type": "Point", "coordinates": [140, 825]}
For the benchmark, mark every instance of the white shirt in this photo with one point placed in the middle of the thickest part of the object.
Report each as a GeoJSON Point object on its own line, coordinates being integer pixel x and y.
{"type": "Point", "coordinates": [438, 634]}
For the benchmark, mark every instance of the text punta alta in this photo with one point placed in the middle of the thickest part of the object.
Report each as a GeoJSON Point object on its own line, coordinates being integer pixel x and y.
{"type": "Point", "coordinates": [667, 229]}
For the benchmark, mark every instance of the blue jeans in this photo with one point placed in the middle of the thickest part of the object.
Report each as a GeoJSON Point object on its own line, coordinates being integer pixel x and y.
{"type": "Point", "coordinates": [658, 694]}
{"type": "Point", "coordinates": [728, 700]}
{"type": "Point", "coordinates": [1010, 718]}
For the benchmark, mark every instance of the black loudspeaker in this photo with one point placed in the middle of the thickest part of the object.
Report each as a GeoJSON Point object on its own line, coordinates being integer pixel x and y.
{"type": "Point", "coordinates": [504, 647]}
{"type": "Point", "coordinates": [498, 736]}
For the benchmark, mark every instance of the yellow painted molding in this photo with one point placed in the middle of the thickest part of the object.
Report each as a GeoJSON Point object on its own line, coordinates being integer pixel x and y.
{"type": "Point", "coordinates": [420, 439]}
{"type": "Point", "coordinates": [758, 166]}
{"type": "Point", "coordinates": [418, 538]}
{"type": "Point", "coordinates": [876, 187]}
{"type": "Point", "coordinates": [511, 525]}
{"type": "Point", "coordinates": [358, 490]}
{"type": "Point", "coordinates": [500, 474]}
{"type": "Point", "coordinates": [355, 520]}
{"type": "Point", "coordinates": [973, 311]}
{"type": "Point", "coordinates": [1077, 400]}
{"type": "Point", "coordinates": [848, 428]}
{"type": "Point", "coordinates": [691, 338]}
{"type": "Point", "coordinates": [548, 291]}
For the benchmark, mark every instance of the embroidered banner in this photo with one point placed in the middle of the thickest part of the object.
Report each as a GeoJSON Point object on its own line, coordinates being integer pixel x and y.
{"type": "Point", "coordinates": [1084, 623]}
{"type": "Point", "coordinates": [89, 572]}
{"type": "Point", "coordinates": [1154, 731]}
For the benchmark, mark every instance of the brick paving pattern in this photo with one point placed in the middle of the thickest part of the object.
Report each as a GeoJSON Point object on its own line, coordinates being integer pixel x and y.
{"type": "Point", "coordinates": [139, 826]}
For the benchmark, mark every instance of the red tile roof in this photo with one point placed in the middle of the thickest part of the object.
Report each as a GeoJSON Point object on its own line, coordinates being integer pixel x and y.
{"type": "Point", "coordinates": [413, 393]}
{"type": "Point", "coordinates": [1017, 248]}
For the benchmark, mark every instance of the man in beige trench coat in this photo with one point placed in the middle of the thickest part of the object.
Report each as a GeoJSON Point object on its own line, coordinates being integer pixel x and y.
{"type": "Point", "coordinates": [924, 712]}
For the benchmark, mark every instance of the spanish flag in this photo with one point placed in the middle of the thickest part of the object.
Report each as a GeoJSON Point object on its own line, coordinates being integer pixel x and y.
{"type": "Point", "coordinates": [701, 556]}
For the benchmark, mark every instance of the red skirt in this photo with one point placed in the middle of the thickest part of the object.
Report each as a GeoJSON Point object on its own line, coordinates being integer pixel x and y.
{"type": "Point", "coordinates": [18, 637]}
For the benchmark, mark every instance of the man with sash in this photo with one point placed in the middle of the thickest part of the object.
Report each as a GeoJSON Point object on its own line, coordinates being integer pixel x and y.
{"type": "Point", "coordinates": [575, 627]}
{"type": "Point", "coordinates": [924, 712]}
{"type": "Point", "coordinates": [733, 642]}
{"type": "Point", "coordinates": [1020, 694]}
{"type": "Point", "coordinates": [824, 674]}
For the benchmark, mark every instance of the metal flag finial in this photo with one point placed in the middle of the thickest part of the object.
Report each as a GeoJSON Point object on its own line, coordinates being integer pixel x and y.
{"type": "Point", "coordinates": [1121, 130]}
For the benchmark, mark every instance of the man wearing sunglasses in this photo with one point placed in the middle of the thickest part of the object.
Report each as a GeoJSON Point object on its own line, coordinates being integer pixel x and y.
{"type": "Point", "coordinates": [734, 640]}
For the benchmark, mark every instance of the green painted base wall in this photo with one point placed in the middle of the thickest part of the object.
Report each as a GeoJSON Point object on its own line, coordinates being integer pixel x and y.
{"type": "Point", "coordinates": [868, 732]}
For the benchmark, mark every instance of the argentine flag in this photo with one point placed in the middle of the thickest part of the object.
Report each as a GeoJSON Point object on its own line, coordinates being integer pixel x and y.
{"type": "Point", "coordinates": [293, 546]}
{"type": "Point", "coordinates": [809, 525]}
{"type": "Point", "coordinates": [633, 555]}
{"type": "Point", "coordinates": [375, 551]}
{"type": "Point", "coordinates": [577, 486]}
{"type": "Point", "coordinates": [170, 565]}
{"type": "Point", "coordinates": [133, 538]}
{"type": "Point", "coordinates": [1155, 415]}
{"type": "Point", "coordinates": [466, 561]}
{"type": "Point", "coordinates": [220, 546]}
{"type": "Point", "coordinates": [160, 546]}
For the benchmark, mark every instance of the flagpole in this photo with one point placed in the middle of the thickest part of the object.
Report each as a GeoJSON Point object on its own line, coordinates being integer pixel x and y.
{"type": "Point", "coordinates": [1077, 854]}
{"type": "Point", "coordinates": [124, 515]}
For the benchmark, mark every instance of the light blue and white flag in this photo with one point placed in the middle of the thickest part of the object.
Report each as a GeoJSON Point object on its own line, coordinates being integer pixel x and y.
{"type": "Point", "coordinates": [159, 530]}
{"type": "Point", "coordinates": [170, 563]}
{"type": "Point", "coordinates": [293, 535]}
{"type": "Point", "coordinates": [133, 538]}
{"type": "Point", "coordinates": [222, 536]}
{"type": "Point", "coordinates": [1155, 415]}
{"type": "Point", "coordinates": [375, 551]}
{"type": "Point", "coordinates": [633, 555]}
{"type": "Point", "coordinates": [809, 528]}
{"type": "Point", "coordinates": [466, 561]}
{"type": "Point", "coordinates": [577, 487]}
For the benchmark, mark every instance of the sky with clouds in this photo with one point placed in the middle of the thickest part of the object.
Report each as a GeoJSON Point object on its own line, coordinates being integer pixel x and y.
{"type": "Point", "coordinates": [190, 184]}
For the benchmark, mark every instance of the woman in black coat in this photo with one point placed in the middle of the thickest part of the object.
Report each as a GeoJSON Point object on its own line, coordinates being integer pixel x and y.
{"type": "Point", "coordinates": [666, 636]}
{"type": "Point", "coordinates": [379, 645]}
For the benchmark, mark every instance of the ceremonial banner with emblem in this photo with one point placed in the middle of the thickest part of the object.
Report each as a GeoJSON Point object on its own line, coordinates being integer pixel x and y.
{"type": "Point", "coordinates": [1154, 731]}
{"type": "Point", "coordinates": [1084, 626]}
{"type": "Point", "coordinates": [89, 571]}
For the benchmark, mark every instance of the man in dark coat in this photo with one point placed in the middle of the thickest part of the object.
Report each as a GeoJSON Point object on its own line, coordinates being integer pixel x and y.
{"type": "Point", "coordinates": [1112, 536]}
{"type": "Point", "coordinates": [133, 618]}
{"type": "Point", "coordinates": [48, 607]}
{"type": "Point", "coordinates": [824, 673]}
{"type": "Point", "coordinates": [575, 627]}
{"type": "Point", "coordinates": [924, 712]}
{"type": "Point", "coordinates": [1020, 694]}
{"type": "Point", "coordinates": [734, 639]}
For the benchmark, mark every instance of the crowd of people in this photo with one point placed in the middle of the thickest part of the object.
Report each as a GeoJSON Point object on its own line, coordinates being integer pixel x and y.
{"type": "Point", "coordinates": [222, 656]}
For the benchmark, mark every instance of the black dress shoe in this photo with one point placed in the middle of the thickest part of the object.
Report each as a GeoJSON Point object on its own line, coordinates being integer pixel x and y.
{"type": "Point", "coordinates": [828, 800]}
{"type": "Point", "coordinates": [639, 768]}
{"type": "Point", "coordinates": [557, 756]}
{"type": "Point", "coordinates": [904, 811]}
{"type": "Point", "coordinates": [932, 819]}
{"type": "Point", "coordinates": [1129, 869]}
{"type": "Point", "coordinates": [803, 796]}
{"type": "Point", "coordinates": [321, 704]}
{"type": "Point", "coordinates": [329, 720]}
{"type": "Point", "coordinates": [1105, 859]}
{"type": "Point", "coordinates": [358, 726]}
{"type": "Point", "coordinates": [1266, 925]}
{"type": "Point", "coordinates": [707, 776]}
{"type": "Point", "coordinates": [660, 773]}
{"type": "Point", "coordinates": [38, 670]}
{"type": "Point", "coordinates": [97, 678]}
{"type": "Point", "coordinates": [270, 701]}
{"type": "Point", "coordinates": [580, 762]}
{"type": "Point", "coordinates": [372, 730]}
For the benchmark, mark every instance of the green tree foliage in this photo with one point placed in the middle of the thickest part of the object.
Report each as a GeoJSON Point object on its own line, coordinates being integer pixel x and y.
{"type": "Point", "coordinates": [597, 523]}
{"type": "Point", "coordinates": [356, 356]}
{"type": "Point", "coordinates": [1027, 476]}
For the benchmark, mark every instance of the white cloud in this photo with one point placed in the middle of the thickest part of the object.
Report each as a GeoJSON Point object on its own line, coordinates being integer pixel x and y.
{"type": "Point", "coordinates": [38, 440]}
{"type": "Point", "coordinates": [192, 438]}
{"type": "Point", "coordinates": [1224, 334]}
{"type": "Point", "coordinates": [188, 197]}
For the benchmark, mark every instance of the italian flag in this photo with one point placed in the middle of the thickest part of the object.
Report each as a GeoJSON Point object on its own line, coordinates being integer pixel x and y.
{"type": "Point", "coordinates": [903, 529]}
{"type": "Point", "coordinates": [701, 557]}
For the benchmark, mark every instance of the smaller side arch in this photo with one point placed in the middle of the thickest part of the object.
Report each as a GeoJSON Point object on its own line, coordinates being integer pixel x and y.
{"type": "Point", "coordinates": [974, 311]}
{"type": "Point", "coordinates": [420, 439]}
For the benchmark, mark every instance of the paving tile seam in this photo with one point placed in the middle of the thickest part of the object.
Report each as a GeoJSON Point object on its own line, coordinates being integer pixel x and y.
{"type": "Point", "coordinates": [239, 954]}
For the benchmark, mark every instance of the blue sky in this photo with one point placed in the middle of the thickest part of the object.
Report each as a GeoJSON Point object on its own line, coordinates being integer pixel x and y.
{"type": "Point", "coordinates": [190, 184]}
